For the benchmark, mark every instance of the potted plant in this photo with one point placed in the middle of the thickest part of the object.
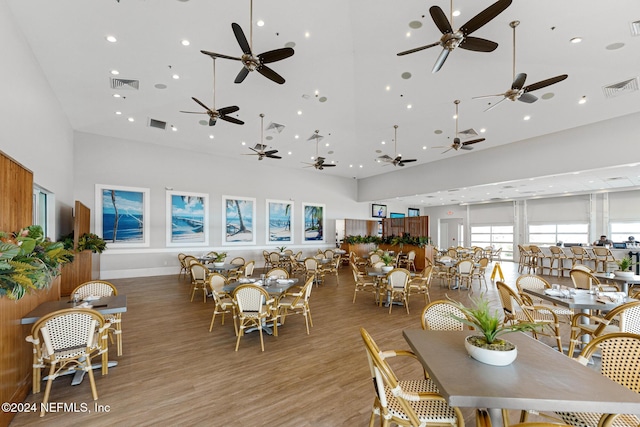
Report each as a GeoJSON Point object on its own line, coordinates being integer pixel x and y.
{"type": "Point", "coordinates": [624, 265]}
{"type": "Point", "coordinates": [486, 347]}
{"type": "Point", "coordinates": [388, 261]}
{"type": "Point", "coordinates": [281, 249]}
{"type": "Point", "coordinates": [218, 260]}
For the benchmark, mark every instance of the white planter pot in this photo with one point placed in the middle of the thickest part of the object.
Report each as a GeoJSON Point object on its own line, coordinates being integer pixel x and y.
{"type": "Point", "coordinates": [624, 274]}
{"type": "Point", "coordinates": [490, 357]}
{"type": "Point", "coordinates": [386, 268]}
{"type": "Point", "coordinates": [218, 264]}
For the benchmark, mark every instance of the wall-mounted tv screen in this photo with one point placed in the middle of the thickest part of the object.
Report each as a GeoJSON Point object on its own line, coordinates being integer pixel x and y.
{"type": "Point", "coordinates": [414, 212]}
{"type": "Point", "coordinates": [378, 211]}
{"type": "Point", "coordinates": [396, 215]}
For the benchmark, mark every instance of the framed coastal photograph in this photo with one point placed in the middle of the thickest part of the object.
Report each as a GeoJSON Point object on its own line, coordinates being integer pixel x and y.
{"type": "Point", "coordinates": [313, 223]}
{"type": "Point", "coordinates": [122, 215]}
{"type": "Point", "coordinates": [187, 219]}
{"type": "Point", "coordinates": [279, 221]}
{"type": "Point", "coordinates": [238, 214]}
{"type": "Point", "coordinates": [414, 212]}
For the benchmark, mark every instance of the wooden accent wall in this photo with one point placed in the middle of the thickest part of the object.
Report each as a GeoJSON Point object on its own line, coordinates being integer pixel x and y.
{"type": "Point", "coordinates": [81, 222]}
{"type": "Point", "coordinates": [16, 210]}
{"type": "Point", "coordinates": [78, 271]}
{"type": "Point", "coordinates": [360, 227]}
{"type": "Point", "coordinates": [415, 226]}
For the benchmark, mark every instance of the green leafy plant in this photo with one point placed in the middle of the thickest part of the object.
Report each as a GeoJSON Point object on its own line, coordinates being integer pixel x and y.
{"type": "Point", "coordinates": [625, 263]}
{"type": "Point", "coordinates": [387, 259]}
{"type": "Point", "coordinates": [281, 248]}
{"type": "Point", "coordinates": [220, 257]}
{"type": "Point", "coordinates": [488, 322]}
{"type": "Point", "coordinates": [28, 261]}
{"type": "Point", "coordinates": [92, 242]}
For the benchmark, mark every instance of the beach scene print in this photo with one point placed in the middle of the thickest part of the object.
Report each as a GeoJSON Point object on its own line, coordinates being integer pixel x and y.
{"type": "Point", "coordinates": [122, 216]}
{"type": "Point", "coordinates": [313, 223]}
{"type": "Point", "coordinates": [187, 219]}
{"type": "Point", "coordinates": [239, 220]}
{"type": "Point", "coordinates": [280, 222]}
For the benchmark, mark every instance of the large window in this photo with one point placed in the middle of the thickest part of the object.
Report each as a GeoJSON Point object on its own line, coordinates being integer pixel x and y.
{"type": "Point", "coordinates": [551, 234]}
{"type": "Point", "coordinates": [498, 236]}
{"type": "Point", "coordinates": [43, 211]}
{"type": "Point", "coordinates": [621, 231]}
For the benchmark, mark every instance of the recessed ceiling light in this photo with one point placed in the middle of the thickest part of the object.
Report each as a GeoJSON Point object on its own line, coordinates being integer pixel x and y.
{"type": "Point", "coordinates": [116, 95]}
{"type": "Point", "coordinates": [526, 117]}
{"type": "Point", "coordinates": [297, 136]}
{"type": "Point", "coordinates": [388, 88]}
{"type": "Point", "coordinates": [408, 34]}
{"type": "Point", "coordinates": [115, 72]}
{"type": "Point", "coordinates": [131, 119]}
{"type": "Point", "coordinates": [289, 153]}
{"type": "Point", "coordinates": [211, 136]}
{"type": "Point", "coordinates": [307, 35]}
{"type": "Point", "coordinates": [350, 166]}
{"type": "Point", "coordinates": [111, 39]}
{"type": "Point", "coordinates": [456, 13]}
{"type": "Point", "coordinates": [408, 106]}
{"type": "Point", "coordinates": [483, 130]}
{"type": "Point", "coordinates": [260, 23]}
{"type": "Point", "coordinates": [185, 42]}
{"type": "Point", "coordinates": [382, 142]}
{"type": "Point", "coordinates": [299, 112]}
{"type": "Point", "coordinates": [173, 128]}
{"type": "Point", "coordinates": [175, 77]}
{"type": "Point", "coordinates": [361, 166]}
{"type": "Point", "coordinates": [576, 40]}
{"type": "Point", "coordinates": [424, 147]}
{"type": "Point", "coordinates": [243, 143]}
{"type": "Point", "coordinates": [118, 113]}
{"type": "Point", "coordinates": [582, 100]}
{"type": "Point", "coordinates": [326, 145]}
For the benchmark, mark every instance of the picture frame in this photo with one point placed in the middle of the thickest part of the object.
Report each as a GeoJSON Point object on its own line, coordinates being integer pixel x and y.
{"type": "Point", "coordinates": [413, 212]}
{"type": "Point", "coordinates": [279, 220]}
{"type": "Point", "coordinates": [313, 223]}
{"type": "Point", "coordinates": [378, 210]}
{"type": "Point", "coordinates": [123, 215]}
{"type": "Point", "coordinates": [238, 220]}
{"type": "Point", "coordinates": [187, 219]}
{"type": "Point", "coordinates": [396, 215]}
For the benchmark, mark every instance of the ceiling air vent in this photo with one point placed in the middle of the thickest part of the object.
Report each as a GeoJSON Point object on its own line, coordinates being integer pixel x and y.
{"type": "Point", "coordinates": [621, 88]}
{"type": "Point", "coordinates": [467, 133]}
{"type": "Point", "coordinates": [125, 84]}
{"type": "Point", "coordinates": [158, 124]}
{"type": "Point", "coordinates": [635, 28]}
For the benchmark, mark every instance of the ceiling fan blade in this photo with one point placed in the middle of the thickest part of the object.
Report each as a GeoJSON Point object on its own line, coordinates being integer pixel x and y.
{"type": "Point", "coordinates": [271, 156]}
{"type": "Point", "coordinates": [484, 17]}
{"type": "Point", "coordinates": [473, 141]}
{"type": "Point", "coordinates": [440, 61]}
{"type": "Point", "coordinates": [518, 82]}
{"type": "Point", "coordinates": [219, 55]}
{"type": "Point", "coordinates": [228, 110]}
{"type": "Point", "coordinates": [327, 165]}
{"type": "Point", "coordinates": [529, 98]}
{"type": "Point", "coordinates": [193, 112]}
{"type": "Point", "coordinates": [464, 147]}
{"type": "Point", "coordinates": [270, 74]}
{"type": "Point", "coordinates": [241, 75]}
{"type": "Point", "coordinates": [417, 49]}
{"type": "Point", "coordinates": [242, 40]}
{"type": "Point", "coordinates": [440, 19]}
{"type": "Point", "coordinates": [270, 152]}
{"type": "Point", "coordinates": [200, 104]}
{"type": "Point", "coordinates": [212, 122]}
{"type": "Point", "coordinates": [478, 45]}
{"type": "Point", "coordinates": [496, 104]}
{"type": "Point", "coordinates": [545, 83]}
{"type": "Point", "coordinates": [407, 161]}
{"type": "Point", "coordinates": [275, 55]}
{"type": "Point", "coordinates": [231, 120]}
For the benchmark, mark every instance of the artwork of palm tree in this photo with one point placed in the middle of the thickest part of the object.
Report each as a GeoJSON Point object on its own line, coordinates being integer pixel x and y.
{"type": "Point", "coordinates": [122, 216]}
{"type": "Point", "coordinates": [239, 220]}
{"type": "Point", "coordinates": [313, 222]}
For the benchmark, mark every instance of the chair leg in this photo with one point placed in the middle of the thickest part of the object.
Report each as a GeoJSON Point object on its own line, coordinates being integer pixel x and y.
{"type": "Point", "coordinates": [47, 389]}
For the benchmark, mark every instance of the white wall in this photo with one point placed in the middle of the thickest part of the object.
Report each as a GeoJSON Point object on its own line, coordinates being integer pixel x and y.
{"type": "Point", "coordinates": [35, 131]}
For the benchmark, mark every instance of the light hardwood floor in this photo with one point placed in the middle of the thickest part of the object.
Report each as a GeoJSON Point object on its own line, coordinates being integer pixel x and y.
{"type": "Point", "coordinates": [175, 372]}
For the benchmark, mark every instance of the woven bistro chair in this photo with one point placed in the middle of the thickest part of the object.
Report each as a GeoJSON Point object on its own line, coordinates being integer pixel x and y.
{"type": "Point", "coordinates": [312, 269]}
{"type": "Point", "coordinates": [556, 261]}
{"type": "Point", "coordinates": [583, 279]}
{"type": "Point", "coordinates": [101, 288]}
{"type": "Point", "coordinates": [464, 273]}
{"type": "Point", "coordinates": [296, 266]}
{"type": "Point", "coordinates": [623, 318]}
{"type": "Point", "coordinates": [244, 271]}
{"type": "Point", "coordinates": [398, 287]}
{"type": "Point", "coordinates": [531, 281]}
{"type": "Point", "coordinates": [199, 274]}
{"type": "Point", "coordinates": [480, 272]}
{"type": "Point", "coordinates": [437, 316]}
{"type": "Point", "coordinates": [67, 339]}
{"type": "Point", "coordinates": [296, 301]}
{"type": "Point", "coordinates": [224, 302]}
{"type": "Point", "coordinates": [619, 356]}
{"type": "Point", "coordinates": [419, 285]}
{"type": "Point", "coordinates": [406, 402]}
{"type": "Point", "coordinates": [408, 262]}
{"type": "Point", "coordinates": [332, 267]}
{"type": "Point", "coordinates": [254, 307]}
{"type": "Point", "coordinates": [278, 272]}
{"type": "Point", "coordinates": [603, 256]}
{"type": "Point", "coordinates": [363, 283]}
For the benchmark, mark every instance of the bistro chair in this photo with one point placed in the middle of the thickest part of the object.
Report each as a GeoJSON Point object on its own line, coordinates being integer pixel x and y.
{"type": "Point", "coordinates": [420, 285]}
{"type": "Point", "coordinates": [296, 266]}
{"type": "Point", "coordinates": [556, 261]}
{"type": "Point", "coordinates": [406, 402]}
{"type": "Point", "coordinates": [408, 262]}
{"type": "Point", "coordinates": [524, 261]}
{"type": "Point", "coordinates": [623, 318]}
{"type": "Point", "coordinates": [398, 287]}
{"type": "Point", "coordinates": [254, 308]}
{"type": "Point", "coordinates": [244, 271]}
{"type": "Point", "coordinates": [186, 262]}
{"type": "Point", "coordinates": [373, 258]}
{"type": "Point", "coordinates": [531, 281]}
{"type": "Point", "coordinates": [579, 255]}
{"type": "Point", "coordinates": [101, 288]}
{"type": "Point", "coordinates": [363, 283]}
{"type": "Point", "coordinates": [603, 256]}
{"type": "Point", "coordinates": [332, 267]}
{"type": "Point", "coordinates": [619, 355]}
{"type": "Point", "coordinates": [67, 339]}
{"type": "Point", "coordinates": [437, 316]}
{"type": "Point", "coordinates": [224, 302]}
{"type": "Point", "coordinates": [199, 275]}
{"type": "Point", "coordinates": [480, 272]}
{"type": "Point", "coordinates": [311, 269]}
{"type": "Point", "coordinates": [464, 274]}
{"type": "Point", "coordinates": [583, 279]}
{"type": "Point", "coordinates": [296, 301]}
{"type": "Point", "coordinates": [183, 266]}
{"type": "Point", "coordinates": [278, 272]}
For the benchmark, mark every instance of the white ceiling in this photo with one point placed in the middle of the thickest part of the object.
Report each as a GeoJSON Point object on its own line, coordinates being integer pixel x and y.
{"type": "Point", "coordinates": [345, 52]}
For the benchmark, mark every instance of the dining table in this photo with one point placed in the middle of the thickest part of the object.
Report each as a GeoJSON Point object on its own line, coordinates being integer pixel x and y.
{"type": "Point", "coordinates": [579, 299]}
{"type": "Point", "coordinates": [540, 379]}
{"type": "Point", "coordinates": [624, 282]}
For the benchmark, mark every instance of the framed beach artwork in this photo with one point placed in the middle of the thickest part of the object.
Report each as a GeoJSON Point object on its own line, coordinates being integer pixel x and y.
{"type": "Point", "coordinates": [313, 223]}
{"type": "Point", "coordinates": [187, 219]}
{"type": "Point", "coordinates": [238, 215]}
{"type": "Point", "coordinates": [279, 221]}
{"type": "Point", "coordinates": [122, 215]}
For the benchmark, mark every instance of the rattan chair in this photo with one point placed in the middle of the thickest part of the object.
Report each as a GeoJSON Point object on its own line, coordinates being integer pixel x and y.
{"type": "Point", "coordinates": [623, 318]}
{"type": "Point", "coordinates": [619, 356]}
{"type": "Point", "coordinates": [103, 288]}
{"type": "Point", "coordinates": [296, 266]}
{"type": "Point", "coordinates": [244, 271]}
{"type": "Point", "coordinates": [531, 281]}
{"type": "Point", "coordinates": [254, 308]}
{"type": "Point", "coordinates": [583, 279]}
{"type": "Point", "coordinates": [398, 287]}
{"type": "Point", "coordinates": [420, 285]}
{"type": "Point", "coordinates": [278, 273]}
{"type": "Point", "coordinates": [296, 301]}
{"type": "Point", "coordinates": [464, 273]}
{"type": "Point", "coordinates": [524, 259]}
{"type": "Point", "coordinates": [408, 262]}
{"type": "Point", "coordinates": [556, 261]}
{"type": "Point", "coordinates": [199, 274]}
{"type": "Point", "coordinates": [373, 258]}
{"type": "Point", "coordinates": [407, 402]}
{"type": "Point", "coordinates": [363, 284]}
{"type": "Point", "coordinates": [516, 311]}
{"type": "Point", "coordinates": [332, 267]}
{"type": "Point", "coordinates": [480, 272]}
{"type": "Point", "coordinates": [224, 302]}
{"type": "Point", "coordinates": [187, 261]}
{"type": "Point", "coordinates": [438, 316]}
{"type": "Point", "coordinates": [67, 339]}
{"type": "Point", "coordinates": [602, 256]}
{"type": "Point", "coordinates": [311, 269]}
{"type": "Point", "coordinates": [183, 266]}
{"type": "Point", "coordinates": [579, 255]}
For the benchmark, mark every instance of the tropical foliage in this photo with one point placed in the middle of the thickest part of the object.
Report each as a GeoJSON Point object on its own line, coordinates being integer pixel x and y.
{"type": "Point", "coordinates": [88, 241]}
{"type": "Point", "coordinates": [625, 263]}
{"type": "Point", "coordinates": [391, 240]}
{"type": "Point", "coordinates": [29, 261]}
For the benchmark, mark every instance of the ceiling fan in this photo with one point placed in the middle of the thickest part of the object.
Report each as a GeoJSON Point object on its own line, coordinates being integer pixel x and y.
{"type": "Point", "coordinates": [320, 161]}
{"type": "Point", "coordinates": [451, 39]}
{"type": "Point", "coordinates": [214, 114]}
{"type": "Point", "coordinates": [260, 150]}
{"type": "Point", "coordinates": [457, 143]}
{"type": "Point", "coordinates": [397, 160]}
{"type": "Point", "coordinates": [251, 62]}
{"type": "Point", "coordinates": [518, 90]}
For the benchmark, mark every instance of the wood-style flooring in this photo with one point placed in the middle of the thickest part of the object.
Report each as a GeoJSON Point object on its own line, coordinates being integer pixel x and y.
{"type": "Point", "coordinates": [173, 371]}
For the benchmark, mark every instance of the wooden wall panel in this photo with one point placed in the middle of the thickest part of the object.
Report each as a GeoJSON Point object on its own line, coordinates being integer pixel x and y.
{"type": "Point", "coordinates": [81, 222]}
{"type": "Point", "coordinates": [16, 195]}
{"type": "Point", "coordinates": [360, 227]}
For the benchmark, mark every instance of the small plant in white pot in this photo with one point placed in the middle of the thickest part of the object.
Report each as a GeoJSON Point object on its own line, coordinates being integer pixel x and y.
{"type": "Point", "coordinates": [486, 347]}
{"type": "Point", "coordinates": [624, 265]}
{"type": "Point", "coordinates": [388, 261]}
{"type": "Point", "coordinates": [218, 260]}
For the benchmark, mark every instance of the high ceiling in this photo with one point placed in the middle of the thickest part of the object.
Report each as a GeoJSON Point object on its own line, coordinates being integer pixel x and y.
{"type": "Point", "coordinates": [344, 80]}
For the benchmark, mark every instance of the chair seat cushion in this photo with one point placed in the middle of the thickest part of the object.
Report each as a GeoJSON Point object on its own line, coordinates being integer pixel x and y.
{"type": "Point", "coordinates": [433, 411]}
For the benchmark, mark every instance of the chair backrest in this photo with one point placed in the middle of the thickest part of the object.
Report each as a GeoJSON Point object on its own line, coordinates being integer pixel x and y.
{"type": "Point", "coordinates": [556, 250]}
{"type": "Point", "coordinates": [602, 252]}
{"type": "Point", "coordinates": [437, 316]}
{"type": "Point", "coordinates": [248, 268]}
{"type": "Point", "coordinates": [329, 254]}
{"type": "Point", "coordinates": [411, 255]}
{"type": "Point", "coordinates": [237, 261]}
{"type": "Point", "coordinates": [583, 268]}
{"type": "Point", "coordinates": [531, 281]}
{"type": "Point", "coordinates": [452, 252]}
{"type": "Point", "coordinates": [274, 257]}
{"type": "Point", "coordinates": [378, 264]}
{"type": "Point", "coordinates": [251, 298]}
{"type": "Point", "coordinates": [628, 316]}
{"type": "Point", "coordinates": [288, 252]}
{"type": "Point", "coordinates": [355, 272]}
{"type": "Point", "coordinates": [510, 301]}
{"type": "Point", "coordinates": [427, 273]}
{"type": "Point", "coordinates": [483, 261]}
{"type": "Point", "coordinates": [398, 278]}
{"type": "Point", "coordinates": [187, 260]}
{"type": "Point", "coordinates": [99, 288]}
{"type": "Point", "coordinates": [578, 250]}
{"type": "Point", "coordinates": [583, 279]}
{"type": "Point", "coordinates": [465, 266]}
{"type": "Point", "coordinates": [304, 293]}
{"type": "Point", "coordinates": [311, 264]}
{"type": "Point", "coordinates": [373, 258]}
{"type": "Point", "coordinates": [535, 249]}
{"type": "Point", "coordinates": [198, 272]}
{"type": "Point", "coordinates": [278, 272]}
{"type": "Point", "coordinates": [216, 281]}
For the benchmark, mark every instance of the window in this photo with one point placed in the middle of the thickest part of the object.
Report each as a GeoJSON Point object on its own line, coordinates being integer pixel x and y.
{"type": "Point", "coordinates": [498, 236]}
{"type": "Point", "coordinates": [43, 211]}
{"type": "Point", "coordinates": [551, 234]}
{"type": "Point", "coordinates": [621, 231]}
